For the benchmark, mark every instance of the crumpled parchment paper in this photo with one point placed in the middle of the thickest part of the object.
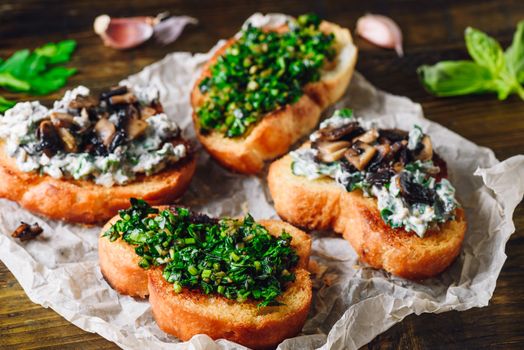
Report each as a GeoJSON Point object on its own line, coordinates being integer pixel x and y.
{"type": "Point", "coordinates": [352, 303]}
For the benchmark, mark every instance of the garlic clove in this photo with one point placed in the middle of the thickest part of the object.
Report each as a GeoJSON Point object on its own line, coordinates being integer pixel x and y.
{"type": "Point", "coordinates": [170, 29]}
{"type": "Point", "coordinates": [381, 31]}
{"type": "Point", "coordinates": [124, 33]}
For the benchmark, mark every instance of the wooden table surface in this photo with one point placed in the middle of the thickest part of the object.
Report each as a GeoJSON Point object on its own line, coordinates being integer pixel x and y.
{"type": "Point", "coordinates": [433, 30]}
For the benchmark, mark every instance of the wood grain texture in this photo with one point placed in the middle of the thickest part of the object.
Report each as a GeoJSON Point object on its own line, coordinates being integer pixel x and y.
{"type": "Point", "coordinates": [433, 30]}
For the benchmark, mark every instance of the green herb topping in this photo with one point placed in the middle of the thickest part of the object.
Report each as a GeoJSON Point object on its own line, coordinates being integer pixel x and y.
{"type": "Point", "coordinates": [237, 259]}
{"type": "Point", "coordinates": [263, 71]}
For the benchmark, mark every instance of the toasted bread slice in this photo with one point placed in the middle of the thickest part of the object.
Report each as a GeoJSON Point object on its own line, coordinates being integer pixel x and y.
{"type": "Point", "coordinates": [119, 265]}
{"type": "Point", "coordinates": [278, 130]}
{"type": "Point", "coordinates": [190, 312]}
{"type": "Point", "coordinates": [323, 205]}
{"type": "Point", "coordinates": [83, 201]}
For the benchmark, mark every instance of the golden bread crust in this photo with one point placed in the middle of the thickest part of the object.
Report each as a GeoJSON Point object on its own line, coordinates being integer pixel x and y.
{"type": "Point", "coordinates": [190, 312]}
{"type": "Point", "coordinates": [323, 205]}
{"type": "Point", "coordinates": [279, 130]}
{"type": "Point", "coordinates": [83, 201]}
{"type": "Point", "coordinates": [119, 265]}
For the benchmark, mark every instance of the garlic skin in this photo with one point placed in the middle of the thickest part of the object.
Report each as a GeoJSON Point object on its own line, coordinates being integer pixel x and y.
{"type": "Point", "coordinates": [126, 33]}
{"type": "Point", "coordinates": [381, 31]}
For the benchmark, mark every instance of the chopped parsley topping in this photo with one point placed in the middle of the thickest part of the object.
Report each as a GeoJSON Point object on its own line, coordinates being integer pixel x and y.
{"type": "Point", "coordinates": [263, 71]}
{"type": "Point", "coordinates": [237, 259]}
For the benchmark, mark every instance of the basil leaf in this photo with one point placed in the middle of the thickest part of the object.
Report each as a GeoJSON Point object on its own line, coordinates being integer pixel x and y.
{"type": "Point", "coordinates": [5, 104]}
{"type": "Point", "coordinates": [454, 78]}
{"type": "Point", "coordinates": [484, 50]}
{"type": "Point", "coordinates": [51, 80]}
{"type": "Point", "coordinates": [57, 53]}
{"type": "Point", "coordinates": [515, 53]}
{"type": "Point", "coordinates": [15, 63]}
{"type": "Point", "coordinates": [12, 83]}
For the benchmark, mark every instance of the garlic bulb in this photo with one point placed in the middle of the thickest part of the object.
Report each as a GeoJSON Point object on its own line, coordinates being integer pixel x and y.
{"type": "Point", "coordinates": [381, 31]}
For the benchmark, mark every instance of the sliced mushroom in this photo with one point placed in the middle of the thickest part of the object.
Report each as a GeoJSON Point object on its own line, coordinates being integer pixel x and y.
{"type": "Point", "coordinates": [414, 192]}
{"type": "Point", "coordinates": [146, 112]}
{"type": "Point", "coordinates": [61, 120]}
{"type": "Point", "coordinates": [26, 232]}
{"type": "Point", "coordinates": [331, 151]}
{"type": "Point", "coordinates": [136, 128]}
{"type": "Point", "coordinates": [118, 90]}
{"type": "Point", "coordinates": [105, 131]}
{"type": "Point", "coordinates": [83, 102]}
{"type": "Point", "coordinates": [426, 152]}
{"type": "Point", "coordinates": [360, 155]}
{"type": "Point", "coordinates": [394, 135]}
{"type": "Point", "coordinates": [398, 167]}
{"type": "Point", "coordinates": [50, 142]}
{"type": "Point", "coordinates": [347, 131]}
{"type": "Point", "coordinates": [126, 98]}
{"type": "Point", "coordinates": [68, 140]}
{"type": "Point", "coordinates": [369, 136]}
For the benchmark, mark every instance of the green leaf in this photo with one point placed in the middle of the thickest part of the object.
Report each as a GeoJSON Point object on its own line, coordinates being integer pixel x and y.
{"type": "Point", "coordinates": [15, 63]}
{"type": "Point", "coordinates": [515, 53]}
{"type": "Point", "coordinates": [57, 53]}
{"type": "Point", "coordinates": [51, 80]}
{"type": "Point", "coordinates": [5, 104]}
{"type": "Point", "coordinates": [454, 78]}
{"type": "Point", "coordinates": [12, 83]}
{"type": "Point", "coordinates": [484, 50]}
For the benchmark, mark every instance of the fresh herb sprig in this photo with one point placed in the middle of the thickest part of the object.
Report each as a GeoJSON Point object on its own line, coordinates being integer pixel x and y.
{"type": "Point", "coordinates": [262, 71]}
{"type": "Point", "coordinates": [491, 70]}
{"type": "Point", "coordinates": [39, 72]}
{"type": "Point", "coordinates": [237, 259]}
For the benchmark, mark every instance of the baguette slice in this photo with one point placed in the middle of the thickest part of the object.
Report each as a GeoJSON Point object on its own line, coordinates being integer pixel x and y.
{"type": "Point", "coordinates": [82, 201]}
{"type": "Point", "coordinates": [279, 130]}
{"type": "Point", "coordinates": [323, 205]}
{"type": "Point", "coordinates": [191, 312]}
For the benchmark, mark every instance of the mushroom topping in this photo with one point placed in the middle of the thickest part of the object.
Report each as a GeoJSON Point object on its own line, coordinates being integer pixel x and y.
{"type": "Point", "coordinates": [119, 90]}
{"type": "Point", "coordinates": [426, 152]}
{"type": "Point", "coordinates": [147, 112]}
{"type": "Point", "coordinates": [126, 98]}
{"type": "Point", "coordinates": [331, 151]}
{"type": "Point", "coordinates": [49, 143]}
{"type": "Point", "coordinates": [83, 102]}
{"type": "Point", "coordinates": [347, 131]}
{"type": "Point", "coordinates": [68, 140]}
{"type": "Point", "coordinates": [360, 155]}
{"type": "Point", "coordinates": [369, 136]}
{"type": "Point", "coordinates": [414, 192]}
{"type": "Point", "coordinates": [105, 131]}
{"type": "Point", "coordinates": [394, 135]}
{"type": "Point", "coordinates": [26, 232]}
{"type": "Point", "coordinates": [61, 120]}
{"type": "Point", "coordinates": [136, 128]}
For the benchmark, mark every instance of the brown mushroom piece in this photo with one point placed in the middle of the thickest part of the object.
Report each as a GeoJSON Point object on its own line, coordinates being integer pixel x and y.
{"type": "Point", "coordinates": [126, 98]}
{"type": "Point", "coordinates": [68, 140]}
{"type": "Point", "coordinates": [360, 155]}
{"type": "Point", "coordinates": [61, 120]}
{"type": "Point", "coordinates": [426, 153]}
{"type": "Point", "coordinates": [81, 101]}
{"type": "Point", "coordinates": [105, 130]}
{"type": "Point", "coordinates": [345, 131]}
{"type": "Point", "coordinates": [26, 232]}
{"type": "Point", "coordinates": [393, 135]}
{"type": "Point", "coordinates": [331, 151]}
{"type": "Point", "coordinates": [50, 142]}
{"type": "Point", "coordinates": [136, 128]}
{"type": "Point", "coordinates": [117, 90]}
{"type": "Point", "coordinates": [369, 136]}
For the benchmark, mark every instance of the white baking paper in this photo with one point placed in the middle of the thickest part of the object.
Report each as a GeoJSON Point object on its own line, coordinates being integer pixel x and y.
{"type": "Point", "coordinates": [352, 303]}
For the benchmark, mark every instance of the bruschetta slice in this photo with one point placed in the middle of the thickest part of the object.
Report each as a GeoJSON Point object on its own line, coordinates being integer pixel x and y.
{"type": "Point", "coordinates": [248, 112]}
{"type": "Point", "coordinates": [234, 279]}
{"type": "Point", "coordinates": [385, 190]}
{"type": "Point", "coordinates": [81, 160]}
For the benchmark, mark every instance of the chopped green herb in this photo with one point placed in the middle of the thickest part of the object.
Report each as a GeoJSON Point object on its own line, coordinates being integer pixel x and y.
{"type": "Point", "coordinates": [238, 259]}
{"type": "Point", "coordinates": [263, 71]}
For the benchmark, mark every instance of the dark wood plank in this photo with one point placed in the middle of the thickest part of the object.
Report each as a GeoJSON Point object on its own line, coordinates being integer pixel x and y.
{"type": "Point", "coordinates": [433, 30]}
